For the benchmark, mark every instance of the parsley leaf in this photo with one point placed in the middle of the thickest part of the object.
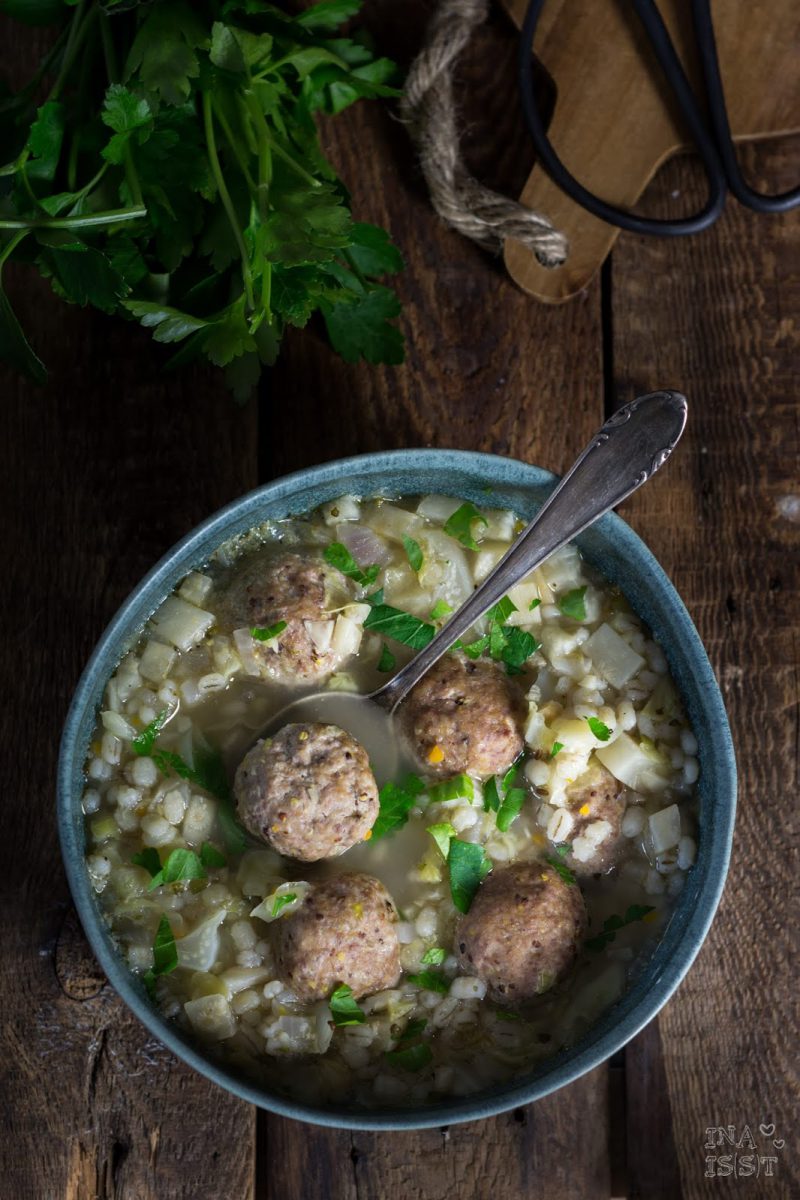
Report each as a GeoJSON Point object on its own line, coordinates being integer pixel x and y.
{"type": "Point", "coordinates": [431, 981]}
{"type": "Point", "coordinates": [635, 912]}
{"type": "Point", "coordinates": [165, 955]}
{"type": "Point", "coordinates": [265, 633]}
{"type": "Point", "coordinates": [400, 626]}
{"type": "Point", "coordinates": [510, 808]}
{"type": "Point", "coordinates": [435, 956]}
{"type": "Point", "coordinates": [210, 856]}
{"type": "Point", "coordinates": [441, 609]}
{"type": "Point", "coordinates": [396, 801]}
{"type": "Point", "coordinates": [491, 795]}
{"type": "Point", "coordinates": [500, 612]}
{"type": "Point", "coordinates": [572, 604]}
{"type": "Point", "coordinates": [337, 555]}
{"type": "Point", "coordinates": [461, 787]}
{"type": "Point", "coordinates": [555, 748]}
{"type": "Point", "coordinates": [468, 864]}
{"type": "Point", "coordinates": [181, 865]}
{"type": "Point", "coordinates": [283, 901]}
{"type": "Point", "coordinates": [441, 834]}
{"type": "Point", "coordinates": [410, 1058]}
{"type": "Point", "coordinates": [459, 525]}
{"type": "Point", "coordinates": [560, 869]}
{"type": "Point", "coordinates": [143, 744]}
{"type": "Point", "coordinates": [148, 858]}
{"type": "Point", "coordinates": [413, 552]}
{"type": "Point", "coordinates": [344, 1009]}
{"type": "Point", "coordinates": [387, 661]}
{"type": "Point", "coordinates": [600, 731]}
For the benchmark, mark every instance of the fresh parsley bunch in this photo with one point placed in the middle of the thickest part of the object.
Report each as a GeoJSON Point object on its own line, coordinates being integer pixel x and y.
{"type": "Point", "coordinates": [173, 174]}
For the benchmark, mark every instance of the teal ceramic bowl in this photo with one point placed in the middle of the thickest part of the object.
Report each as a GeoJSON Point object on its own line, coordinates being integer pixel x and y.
{"type": "Point", "coordinates": [622, 557]}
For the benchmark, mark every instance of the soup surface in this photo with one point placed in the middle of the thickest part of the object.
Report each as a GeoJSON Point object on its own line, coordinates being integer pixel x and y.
{"type": "Point", "coordinates": [398, 941]}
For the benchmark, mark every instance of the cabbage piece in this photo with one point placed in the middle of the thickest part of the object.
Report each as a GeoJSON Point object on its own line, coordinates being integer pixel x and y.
{"type": "Point", "coordinates": [277, 904]}
{"type": "Point", "coordinates": [665, 828]}
{"type": "Point", "coordinates": [180, 623]}
{"type": "Point", "coordinates": [632, 764]}
{"type": "Point", "coordinates": [562, 571]}
{"type": "Point", "coordinates": [612, 657]}
{"type": "Point", "coordinates": [199, 950]}
{"type": "Point", "coordinates": [211, 1017]}
{"type": "Point", "coordinates": [445, 571]}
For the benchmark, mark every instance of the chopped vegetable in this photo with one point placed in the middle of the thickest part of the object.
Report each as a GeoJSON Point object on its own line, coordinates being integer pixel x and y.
{"type": "Point", "coordinates": [282, 901]}
{"type": "Point", "coordinates": [413, 552]}
{"type": "Point", "coordinates": [600, 731]}
{"type": "Point", "coordinates": [413, 1029]}
{"type": "Point", "coordinates": [400, 626]}
{"type": "Point", "coordinates": [459, 525]}
{"type": "Point", "coordinates": [459, 788]}
{"type": "Point", "coordinates": [265, 633]}
{"type": "Point", "coordinates": [506, 643]}
{"type": "Point", "coordinates": [500, 612]}
{"type": "Point", "coordinates": [441, 834]}
{"type": "Point", "coordinates": [432, 981]}
{"type": "Point", "coordinates": [563, 849]}
{"type": "Point", "coordinates": [435, 956]}
{"type": "Point", "coordinates": [468, 864]}
{"type": "Point", "coordinates": [560, 869]}
{"type": "Point", "coordinates": [208, 773]}
{"type": "Point", "coordinates": [143, 744]}
{"type": "Point", "coordinates": [503, 799]}
{"type": "Point", "coordinates": [337, 555]}
{"type": "Point", "coordinates": [554, 749]}
{"type": "Point", "coordinates": [441, 609]}
{"type": "Point", "coordinates": [344, 1009]}
{"type": "Point", "coordinates": [165, 955]}
{"type": "Point", "coordinates": [573, 605]}
{"type": "Point", "coordinates": [387, 661]}
{"type": "Point", "coordinates": [491, 795]}
{"type": "Point", "coordinates": [210, 856]}
{"type": "Point", "coordinates": [510, 808]}
{"type": "Point", "coordinates": [396, 801]}
{"type": "Point", "coordinates": [410, 1058]}
{"type": "Point", "coordinates": [173, 174]}
{"type": "Point", "coordinates": [534, 604]}
{"type": "Point", "coordinates": [181, 866]}
{"type": "Point", "coordinates": [636, 912]}
{"type": "Point", "coordinates": [148, 858]}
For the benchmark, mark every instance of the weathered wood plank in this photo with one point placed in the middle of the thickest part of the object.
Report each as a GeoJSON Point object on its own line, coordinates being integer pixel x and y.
{"type": "Point", "coordinates": [717, 316]}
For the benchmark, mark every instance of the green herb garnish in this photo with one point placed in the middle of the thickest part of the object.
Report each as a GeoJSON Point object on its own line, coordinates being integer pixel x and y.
{"type": "Point", "coordinates": [636, 912]}
{"type": "Point", "coordinates": [165, 956]}
{"type": "Point", "coordinates": [507, 644]}
{"type": "Point", "coordinates": [555, 748]}
{"type": "Point", "coordinates": [344, 1009]}
{"type": "Point", "coordinates": [461, 787]}
{"type": "Point", "coordinates": [177, 143]}
{"type": "Point", "coordinates": [563, 849]}
{"type": "Point", "coordinates": [491, 795]}
{"type": "Point", "coordinates": [400, 626]}
{"type": "Point", "coordinates": [283, 901]}
{"type": "Point", "coordinates": [441, 609]}
{"type": "Point", "coordinates": [459, 525]}
{"type": "Point", "coordinates": [265, 633]}
{"type": "Point", "coordinates": [337, 555]}
{"type": "Point", "coordinates": [387, 661]}
{"type": "Point", "coordinates": [600, 731]}
{"type": "Point", "coordinates": [410, 1058]}
{"type": "Point", "coordinates": [413, 552]}
{"type": "Point", "coordinates": [431, 981]}
{"type": "Point", "coordinates": [572, 604]}
{"type": "Point", "coordinates": [534, 604]}
{"type": "Point", "coordinates": [209, 774]}
{"type": "Point", "coordinates": [210, 856]}
{"type": "Point", "coordinates": [181, 866]}
{"type": "Point", "coordinates": [435, 956]}
{"type": "Point", "coordinates": [148, 858]}
{"type": "Point", "coordinates": [563, 872]}
{"type": "Point", "coordinates": [468, 864]}
{"type": "Point", "coordinates": [510, 808]}
{"type": "Point", "coordinates": [441, 834]}
{"type": "Point", "coordinates": [413, 1029]}
{"type": "Point", "coordinates": [502, 798]}
{"type": "Point", "coordinates": [503, 1014]}
{"type": "Point", "coordinates": [396, 801]}
{"type": "Point", "coordinates": [500, 612]}
{"type": "Point", "coordinates": [143, 744]}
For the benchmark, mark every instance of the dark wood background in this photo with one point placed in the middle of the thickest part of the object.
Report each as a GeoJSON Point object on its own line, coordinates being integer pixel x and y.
{"type": "Point", "coordinates": [114, 460]}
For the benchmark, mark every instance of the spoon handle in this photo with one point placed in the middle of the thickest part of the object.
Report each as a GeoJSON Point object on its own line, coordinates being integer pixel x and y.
{"type": "Point", "coordinates": [629, 448]}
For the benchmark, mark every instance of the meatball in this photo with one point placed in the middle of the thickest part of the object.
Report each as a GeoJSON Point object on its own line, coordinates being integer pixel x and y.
{"type": "Point", "coordinates": [343, 932]}
{"type": "Point", "coordinates": [596, 804]}
{"type": "Point", "coordinates": [290, 588]}
{"type": "Point", "coordinates": [308, 791]}
{"type": "Point", "coordinates": [522, 933]}
{"type": "Point", "coordinates": [464, 716]}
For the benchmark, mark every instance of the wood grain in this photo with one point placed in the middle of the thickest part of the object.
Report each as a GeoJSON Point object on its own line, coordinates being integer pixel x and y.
{"type": "Point", "coordinates": [718, 315]}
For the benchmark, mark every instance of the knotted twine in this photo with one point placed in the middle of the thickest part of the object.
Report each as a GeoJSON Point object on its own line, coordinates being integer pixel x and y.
{"type": "Point", "coordinates": [428, 108]}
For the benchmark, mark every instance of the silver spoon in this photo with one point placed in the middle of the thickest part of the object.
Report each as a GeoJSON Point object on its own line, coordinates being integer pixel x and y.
{"type": "Point", "coordinates": [622, 455]}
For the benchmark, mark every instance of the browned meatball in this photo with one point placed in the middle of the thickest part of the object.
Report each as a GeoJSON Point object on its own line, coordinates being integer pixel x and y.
{"type": "Point", "coordinates": [308, 792]}
{"type": "Point", "coordinates": [464, 716]}
{"type": "Point", "coordinates": [343, 932]}
{"type": "Point", "coordinates": [522, 933]}
{"type": "Point", "coordinates": [595, 801]}
{"type": "Point", "coordinates": [291, 588]}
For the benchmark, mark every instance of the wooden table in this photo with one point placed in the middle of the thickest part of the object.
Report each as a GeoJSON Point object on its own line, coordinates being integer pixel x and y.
{"type": "Point", "coordinates": [114, 460]}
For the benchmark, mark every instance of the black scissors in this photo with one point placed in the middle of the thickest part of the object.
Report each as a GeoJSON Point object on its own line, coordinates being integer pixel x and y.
{"type": "Point", "coordinates": [712, 139]}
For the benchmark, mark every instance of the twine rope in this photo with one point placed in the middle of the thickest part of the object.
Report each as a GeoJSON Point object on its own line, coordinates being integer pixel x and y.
{"type": "Point", "coordinates": [428, 108]}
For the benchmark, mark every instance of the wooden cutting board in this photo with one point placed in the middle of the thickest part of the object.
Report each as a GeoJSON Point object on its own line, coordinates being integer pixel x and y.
{"type": "Point", "coordinates": [614, 122]}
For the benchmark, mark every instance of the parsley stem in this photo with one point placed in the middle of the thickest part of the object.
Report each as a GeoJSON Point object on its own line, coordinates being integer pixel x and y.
{"type": "Point", "coordinates": [79, 28]}
{"type": "Point", "coordinates": [112, 70]}
{"type": "Point", "coordinates": [9, 249]}
{"type": "Point", "coordinates": [224, 195]}
{"type": "Point", "coordinates": [234, 145]}
{"type": "Point", "coordinates": [89, 221]}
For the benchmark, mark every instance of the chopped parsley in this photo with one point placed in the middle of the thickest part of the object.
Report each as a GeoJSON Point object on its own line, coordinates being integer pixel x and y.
{"type": "Point", "coordinates": [563, 871]}
{"type": "Point", "coordinates": [469, 865]}
{"type": "Point", "coordinates": [600, 731]}
{"type": "Point", "coordinates": [400, 626]}
{"type": "Point", "coordinates": [265, 633]}
{"type": "Point", "coordinates": [209, 774]}
{"type": "Point", "coordinates": [636, 912]}
{"type": "Point", "coordinates": [491, 795]}
{"type": "Point", "coordinates": [442, 834]}
{"type": "Point", "coordinates": [510, 808]}
{"type": "Point", "coordinates": [344, 1009]}
{"type": "Point", "coordinates": [387, 661]}
{"type": "Point", "coordinates": [500, 612]}
{"type": "Point", "coordinates": [564, 848]}
{"type": "Point", "coordinates": [572, 604]}
{"type": "Point", "coordinates": [435, 956]}
{"type": "Point", "coordinates": [210, 856]}
{"type": "Point", "coordinates": [413, 1029]}
{"type": "Point", "coordinates": [337, 555]}
{"type": "Point", "coordinates": [413, 552]}
{"type": "Point", "coordinates": [461, 787]}
{"type": "Point", "coordinates": [459, 525]}
{"type": "Point", "coordinates": [165, 956]}
{"type": "Point", "coordinates": [410, 1058]}
{"type": "Point", "coordinates": [555, 748]}
{"type": "Point", "coordinates": [534, 604]}
{"type": "Point", "coordinates": [503, 799]}
{"type": "Point", "coordinates": [283, 901]}
{"type": "Point", "coordinates": [181, 866]}
{"type": "Point", "coordinates": [148, 858]}
{"type": "Point", "coordinates": [144, 743]}
{"type": "Point", "coordinates": [440, 610]}
{"type": "Point", "coordinates": [431, 981]}
{"type": "Point", "coordinates": [505, 643]}
{"type": "Point", "coordinates": [396, 801]}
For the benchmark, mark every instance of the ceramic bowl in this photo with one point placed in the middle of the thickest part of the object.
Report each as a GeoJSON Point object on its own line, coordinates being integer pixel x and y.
{"type": "Point", "coordinates": [612, 547]}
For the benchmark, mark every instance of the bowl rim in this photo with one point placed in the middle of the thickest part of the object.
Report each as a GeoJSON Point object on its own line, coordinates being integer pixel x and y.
{"type": "Point", "coordinates": [564, 1067]}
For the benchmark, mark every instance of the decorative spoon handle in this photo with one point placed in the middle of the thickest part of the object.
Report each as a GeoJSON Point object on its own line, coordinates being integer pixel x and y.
{"type": "Point", "coordinates": [629, 448]}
